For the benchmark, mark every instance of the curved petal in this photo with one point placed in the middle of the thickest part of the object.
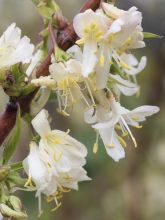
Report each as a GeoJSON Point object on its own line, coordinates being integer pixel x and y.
{"type": "Point", "coordinates": [112, 145]}
{"type": "Point", "coordinates": [89, 57]}
{"type": "Point", "coordinates": [34, 62]}
{"type": "Point", "coordinates": [36, 169]}
{"type": "Point", "coordinates": [139, 114]}
{"type": "Point", "coordinates": [90, 116]}
{"type": "Point", "coordinates": [41, 123]}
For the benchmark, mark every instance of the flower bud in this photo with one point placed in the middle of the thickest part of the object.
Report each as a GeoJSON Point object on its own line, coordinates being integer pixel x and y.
{"type": "Point", "coordinates": [4, 172]}
{"type": "Point", "coordinates": [6, 211]}
{"type": "Point", "coordinates": [16, 203]}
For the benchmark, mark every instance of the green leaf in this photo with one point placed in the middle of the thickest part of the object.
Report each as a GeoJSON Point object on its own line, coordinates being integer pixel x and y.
{"type": "Point", "coordinates": [46, 12]}
{"type": "Point", "coordinates": [11, 144]}
{"type": "Point", "coordinates": [61, 55]}
{"type": "Point", "coordinates": [17, 73]}
{"type": "Point", "coordinates": [15, 178]}
{"type": "Point", "coordinates": [149, 35]}
{"type": "Point", "coordinates": [16, 166]}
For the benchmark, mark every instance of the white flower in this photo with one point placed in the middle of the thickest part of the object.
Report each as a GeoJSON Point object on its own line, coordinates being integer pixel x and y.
{"type": "Point", "coordinates": [36, 169]}
{"type": "Point", "coordinates": [90, 27]}
{"type": "Point", "coordinates": [4, 99]}
{"type": "Point", "coordinates": [38, 172]}
{"type": "Point", "coordinates": [34, 62]}
{"type": "Point", "coordinates": [124, 86]}
{"type": "Point", "coordinates": [76, 53]}
{"type": "Point", "coordinates": [110, 138]}
{"type": "Point", "coordinates": [106, 121]}
{"type": "Point", "coordinates": [124, 117]}
{"type": "Point", "coordinates": [64, 78]}
{"type": "Point", "coordinates": [60, 160]}
{"type": "Point", "coordinates": [65, 73]}
{"type": "Point", "coordinates": [62, 146]}
{"type": "Point", "coordinates": [13, 48]}
{"type": "Point", "coordinates": [120, 32]}
{"type": "Point", "coordinates": [131, 65]}
{"type": "Point", "coordinates": [111, 10]}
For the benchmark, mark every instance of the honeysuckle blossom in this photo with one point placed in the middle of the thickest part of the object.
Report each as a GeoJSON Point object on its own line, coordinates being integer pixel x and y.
{"type": "Point", "coordinates": [131, 65]}
{"type": "Point", "coordinates": [107, 121]}
{"type": "Point", "coordinates": [124, 86]}
{"type": "Point", "coordinates": [13, 48]}
{"type": "Point", "coordinates": [60, 160]}
{"type": "Point", "coordinates": [90, 27]}
{"type": "Point", "coordinates": [121, 30]}
{"type": "Point", "coordinates": [64, 78]}
{"type": "Point", "coordinates": [112, 11]}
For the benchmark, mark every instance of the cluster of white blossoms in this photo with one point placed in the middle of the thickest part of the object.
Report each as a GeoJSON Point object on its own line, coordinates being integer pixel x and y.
{"type": "Point", "coordinates": [56, 163]}
{"type": "Point", "coordinates": [99, 69]}
{"type": "Point", "coordinates": [94, 72]}
{"type": "Point", "coordinates": [13, 50]}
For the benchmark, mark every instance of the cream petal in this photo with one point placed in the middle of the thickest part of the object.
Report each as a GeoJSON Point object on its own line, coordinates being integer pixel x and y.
{"type": "Point", "coordinates": [37, 105]}
{"type": "Point", "coordinates": [141, 66]}
{"type": "Point", "coordinates": [75, 52]}
{"type": "Point", "coordinates": [109, 123]}
{"type": "Point", "coordinates": [90, 116]}
{"type": "Point", "coordinates": [126, 87]}
{"type": "Point", "coordinates": [15, 49]}
{"type": "Point", "coordinates": [89, 57]}
{"type": "Point", "coordinates": [111, 10]}
{"type": "Point", "coordinates": [128, 91]}
{"type": "Point", "coordinates": [112, 145]}
{"type": "Point", "coordinates": [34, 62]}
{"type": "Point", "coordinates": [139, 114]}
{"type": "Point", "coordinates": [82, 20]}
{"type": "Point", "coordinates": [41, 123]}
{"type": "Point", "coordinates": [71, 143]}
{"type": "Point", "coordinates": [102, 70]}
{"type": "Point", "coordinates": [36, 169]}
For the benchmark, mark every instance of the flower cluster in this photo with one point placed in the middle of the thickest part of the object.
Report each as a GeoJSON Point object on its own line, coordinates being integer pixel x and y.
{"type": "Point", "coordinates": [56, 164]}
{"type": "Point", "coordinates": [97, 70]}
{"type": "Point", "coordinates": [94, 72]}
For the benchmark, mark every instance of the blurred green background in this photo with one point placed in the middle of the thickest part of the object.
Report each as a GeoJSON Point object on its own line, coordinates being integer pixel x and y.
{"type": "Point", "coordinates": [134, 188]}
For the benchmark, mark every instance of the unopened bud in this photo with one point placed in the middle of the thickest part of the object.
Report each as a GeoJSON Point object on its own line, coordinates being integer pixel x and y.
{"type": "Point", "coordinates": [6, 211]}
{"type": "Point", "coordinates": [4, 172]}
{"type": "Point", "coordinates": [60, 21]}
{"type": "Point", "coordinates": [16, 203]}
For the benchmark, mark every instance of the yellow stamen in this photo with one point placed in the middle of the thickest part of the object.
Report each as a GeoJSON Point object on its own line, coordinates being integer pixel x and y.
{"type": "Point", "coordinates": [63, 113]}
{"type": "Point", "coordinates": [64, 190]}
{"type": "Point", "coordinates": [125, 134]}
{"type": "Point", "coordinates": [102, 60]}
{"type": "Point", "coordinates": [59, 158]}
{"type": "Point", "coordinates": [57, 207]}
{"type": "Point", "coordinates": [134, 141]}
{"type": "Point", "coordinates": [122, 142]}
{"type": "Point", "coordinates": [110, 145]}
{"type": "Point", "coordinates": [138, 126]}
{"type": "Point", "coordinates": [95, 148]}
{"type": "Point", "coordinates": [29, 182]}
{"type": "Point", "coordinates": [80, 42]}
{"type": "Point", "coordinates": [118, 127]}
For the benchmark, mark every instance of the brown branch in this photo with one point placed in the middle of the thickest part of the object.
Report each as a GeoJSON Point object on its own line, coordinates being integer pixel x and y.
{"type": "Point", "coordinates": [7, 120]}
{"type": "Point", "coordinates": [93, 4]}
{"type": "Point", "coordinates": [66, 37]}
